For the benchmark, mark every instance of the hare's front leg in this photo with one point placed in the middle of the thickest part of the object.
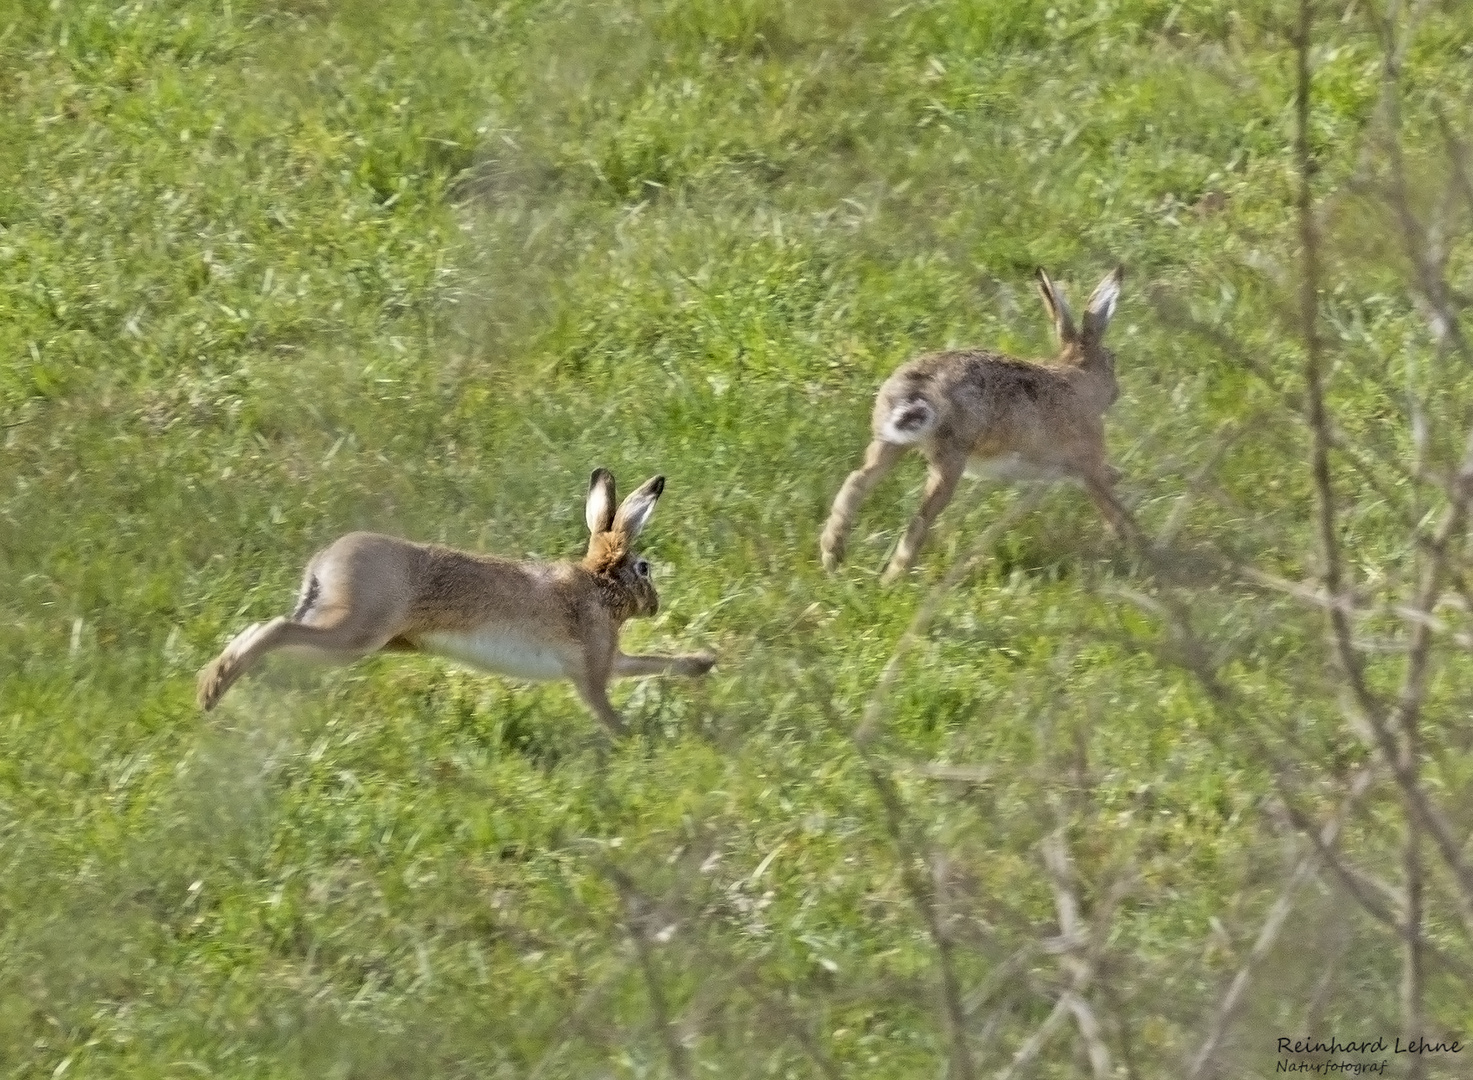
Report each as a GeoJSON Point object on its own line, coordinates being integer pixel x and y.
{"type": "Point", "coordinates": [596, 696]}
{"type": "Point", "coordinates": [1098, 475]}
{"type": "Point", "coordinates": [591, 680]}
{"type": "Point", "coordinates": [687, 664]}
{"type": "Point", "coordinates": [1102, 492]}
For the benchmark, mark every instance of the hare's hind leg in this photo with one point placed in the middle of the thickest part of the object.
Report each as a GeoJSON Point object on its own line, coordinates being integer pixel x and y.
{"type": "Point", "coordinates": [344, 640]}
{"type": "Point", "coordinates": [243, 653]}
{"type": "Point", "coordinates": [879, 459]}
{"type": "Point", "coordinates": [233, 662]}
{"type": "Point", "coordinates": [946, 469]}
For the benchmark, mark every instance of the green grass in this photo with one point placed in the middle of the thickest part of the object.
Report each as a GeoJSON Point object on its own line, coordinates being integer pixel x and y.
{"type": "Point", "coordinates": [272, 271]}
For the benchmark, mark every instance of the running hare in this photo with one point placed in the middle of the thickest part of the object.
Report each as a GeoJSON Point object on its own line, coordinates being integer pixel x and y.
{"type": "Point", "coordinates": [366, 592]}
{"type": "Point", "coordinates": [987, 414]}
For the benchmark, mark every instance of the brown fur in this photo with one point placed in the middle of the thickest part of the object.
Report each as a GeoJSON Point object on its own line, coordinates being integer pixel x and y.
{"type": "Point", "coordinates": [1019, 419]}
{"type": "Point", "coordinates": [366, 593]}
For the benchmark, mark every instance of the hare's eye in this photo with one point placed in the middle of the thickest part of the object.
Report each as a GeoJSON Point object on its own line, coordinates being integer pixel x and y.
{"type": "Point", "coordinates": [642, 567]}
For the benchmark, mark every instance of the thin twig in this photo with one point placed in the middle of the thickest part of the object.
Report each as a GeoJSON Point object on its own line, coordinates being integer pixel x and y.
{"type": "Point", "coordinates": [1354, 456]}
{"type": "Point", "coordinates": [957, 774]}
{"type": "Point", "coordinates": [1377, 730]}
{"type": "Point", "coordinates": [1377, 898]}
{"type": "Point", "coordinates": [1456, 153]}
{"type": "Point", "coordinates": [1407, 751]}
{"type": "Point", "coordinates": [1384, 729]}
{"type": "Point", "coordinates": [1369, 708]}
{"type": "Point", "coordinates": [1309, 595]}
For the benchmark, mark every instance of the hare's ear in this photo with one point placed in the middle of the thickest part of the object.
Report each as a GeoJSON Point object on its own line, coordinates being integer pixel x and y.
{"type": "Point", "coordinates": [1057, 309]}
{"type": "Point", "coordinates": [634, 513]}
{"type": "Point", "coordinates": [1102, 305]}
{"type": "Point", "coordinates": [599, 512]}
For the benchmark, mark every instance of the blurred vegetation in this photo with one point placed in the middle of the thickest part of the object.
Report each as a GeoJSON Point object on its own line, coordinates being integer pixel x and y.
{"type": "Point", "coordinates": [271, 270]}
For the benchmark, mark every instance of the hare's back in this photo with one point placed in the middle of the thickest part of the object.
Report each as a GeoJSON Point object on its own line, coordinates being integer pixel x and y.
{"type": "Point", "coordinates": [456, 590]}
{"type": "Point", "coordinates": [968, 392]}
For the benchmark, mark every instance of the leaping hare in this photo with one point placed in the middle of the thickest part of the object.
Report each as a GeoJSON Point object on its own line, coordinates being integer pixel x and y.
{"type": "Point", "coordinates": [988, 414]}
{"type": "Point", "coordinates": [366, 592]}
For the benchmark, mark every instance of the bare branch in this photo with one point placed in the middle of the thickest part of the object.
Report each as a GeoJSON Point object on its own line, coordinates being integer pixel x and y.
{"type": "Point", "coordinates": [1091, 941]}
{"type": "Point", "coordinates": [1457, 156]}
{"type": "Point", "coordinates": [1376, 729]}
{"type": "Point", "coordinates": [638, 922]}
{"type": "Point", "coordinates": [1415, 238]}
{"type": "Point", "coordinates": [1056, 860]}
{"type": "Point", "coordinates": [957, 774]}
{"type": "Point", "coordinates": [775, 1010]}
{"type": "Point", "coordinates": [1316, 597]}
{"type": "Point", "coordinates": [1376, 897]}
{"type": "Point", "coordinates": [1040, 1037]}
{"type": "Point", "coordinates": [923, 895]}
{"type": "Point", "coordinates": [1308, 864]}
{"type": "Point", "coordinates": [1317, 414]}
{"type": "Point", "coordinates": [1390, 733]}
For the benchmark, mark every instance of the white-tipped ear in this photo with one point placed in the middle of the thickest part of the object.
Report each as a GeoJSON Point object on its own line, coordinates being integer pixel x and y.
{"type": "Point", "coordinates": [634, 513]}
{"type": "Point", "coordinates": [1102, 302]}
{"type": "Point", "coordinates": [599, 511]}
{"type": "Point", "coordinates": [1057, 309]}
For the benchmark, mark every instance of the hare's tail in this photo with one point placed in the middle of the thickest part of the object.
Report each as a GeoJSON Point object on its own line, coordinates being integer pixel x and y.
{"type": "Point", "coordinates": [311, 590]}
{"type": "Point", "coordinates": [909, 421]}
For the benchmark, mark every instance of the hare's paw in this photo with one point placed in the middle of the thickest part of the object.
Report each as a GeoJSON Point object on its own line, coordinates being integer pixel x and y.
{"type": "Point", "coordinates": [894, 572]}
{"type": "Point", "coordinates": [210, 685]}
{"type": "Point", "coordinates": [831, 549]}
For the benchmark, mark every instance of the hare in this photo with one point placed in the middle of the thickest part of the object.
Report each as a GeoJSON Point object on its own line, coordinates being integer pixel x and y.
{"type": "Point", "coordinates": [366, 592]}
{"type": "Point", "coordinates": [987, 414]}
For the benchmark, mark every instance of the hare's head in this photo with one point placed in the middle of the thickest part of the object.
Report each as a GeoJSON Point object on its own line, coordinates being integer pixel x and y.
{"type": "Point", "coordinates": [1084, 346]}
{"type": "Point", "coordinates": [611, 557]}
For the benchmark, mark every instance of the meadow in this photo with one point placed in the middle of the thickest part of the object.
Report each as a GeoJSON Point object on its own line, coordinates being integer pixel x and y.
{"type": "Point", "coordinates": [272, 270]}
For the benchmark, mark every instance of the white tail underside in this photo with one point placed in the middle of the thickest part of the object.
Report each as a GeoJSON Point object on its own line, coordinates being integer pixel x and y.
{"type": "Point", "coordinates": [909, 422]}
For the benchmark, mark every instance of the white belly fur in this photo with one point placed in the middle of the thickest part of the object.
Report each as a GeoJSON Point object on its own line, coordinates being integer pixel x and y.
{"type": "Point", "coordinates": [498, 650]}
{"type": "Point", "coordinates": [1013, 468]}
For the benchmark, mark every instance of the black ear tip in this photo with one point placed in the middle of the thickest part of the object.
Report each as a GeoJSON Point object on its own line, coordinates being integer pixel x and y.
{"type": "Point", "coordinates": [599, 474]}
{"type": "Point", "coordinates": [658, 485]}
